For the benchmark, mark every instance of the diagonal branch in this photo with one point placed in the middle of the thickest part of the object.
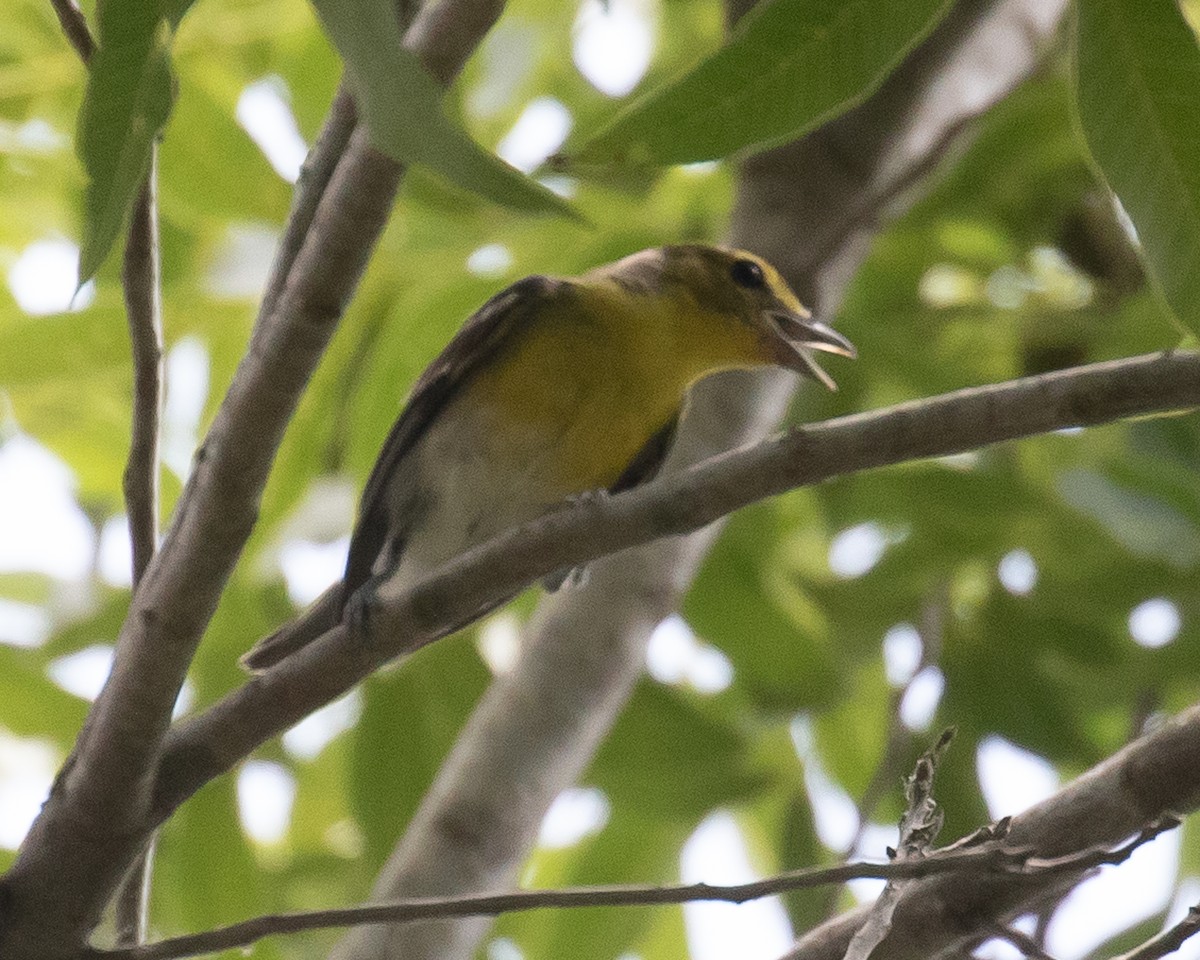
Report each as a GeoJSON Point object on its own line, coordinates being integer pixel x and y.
{"type": "Point", "coordinates": [205, 745]}
{"type": "Point", "coordinates": [1155, 776]}
{"type": "Point", "coordinates": [811, 208]}
{"type": "Point", "coordinates": [1169, 940]}
{"type": "Point", "coordinates": [75, 28]}
{"type": "Point", "coordinates": [988, 859]}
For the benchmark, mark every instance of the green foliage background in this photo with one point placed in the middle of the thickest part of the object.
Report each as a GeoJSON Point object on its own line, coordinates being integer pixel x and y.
{"type": "Point", "coordinates": [1009, 265]}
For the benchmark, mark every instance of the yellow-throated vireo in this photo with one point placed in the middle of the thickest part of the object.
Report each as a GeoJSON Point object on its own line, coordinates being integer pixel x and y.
{"type": "Point", "coordinates": [553, 388]}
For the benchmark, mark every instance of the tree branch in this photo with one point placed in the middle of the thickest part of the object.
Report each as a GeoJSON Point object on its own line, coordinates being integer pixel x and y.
{"type": "Point", "coordinates": [919, 827]}
{"type": "Point", "coordinates": [1155, 776]}
{"type": "Point", "coordinates": [810, 208]}
{"type": "Point", "coordinates": [991, 858]}
{"type": "Point", "coordinates": [315, 174]}
{"type": "Point", "coordinates": [205, 745]}
{"type": "Point", "coordinates": [96, 818]}
{"type": "Point", "coordinates": [141, 280]}
{"type": "Point", "coordinates": [143, 305]}
{"type": "Point", "coordinates": [75, 28]}
{"type": "Point", "coordinates": [1168, 941]}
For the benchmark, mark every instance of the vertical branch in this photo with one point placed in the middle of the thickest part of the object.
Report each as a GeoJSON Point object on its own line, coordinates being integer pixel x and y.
{"type": "Point", "coordinates": [75, 28]}
{"type": "Point", "coordinates": [315, 175]}
{"type": "Point", "coordinates": [141, 279]}
{"type": "Point", "coordinates": [143, 307]}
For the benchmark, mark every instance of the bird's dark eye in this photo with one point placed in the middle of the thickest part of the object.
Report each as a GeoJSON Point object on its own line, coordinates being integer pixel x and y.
{"type": "Point", "coordinates": [747, 273]}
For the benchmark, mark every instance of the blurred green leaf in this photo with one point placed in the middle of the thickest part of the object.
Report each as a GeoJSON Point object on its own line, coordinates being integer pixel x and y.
{"type": "Point", "coordinates": [1145, 525]}
{"type": "Point", "coordinates": [32, 705]}
{"type": "Point", "coordinates": [666, 938]}
{"type": "Point", "coordinates": [403, 108]}
{"type": "Point", "coordinates": [101, 625]}
{"type": "Point", "coordinates": [1137, 72]}
{"type": "Point", "coordinates": [742, 602]}
{"type": "Point", "coordinates": [781, 831]}
{"type": "Point", "coordinates": [128, 99]}
{"type": "Point", "coordinates": [205, 871]}
{"type": "Point", "coordinates": [789, 65]}
{"type": "Point", "coordinates": [1132, 937]}
{"type": "Point", "coordinates": [852, 736]}
{"type": "Point", "coordinates": [669, 758]}
{"type": "Point", "coordinates": [631, 848]}
{"type": "Point", "coordinates": [410, 720]}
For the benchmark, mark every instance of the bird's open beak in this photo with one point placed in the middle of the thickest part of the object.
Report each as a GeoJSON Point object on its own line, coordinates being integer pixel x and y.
{"type": "Point", "coordinates": [798, 336]}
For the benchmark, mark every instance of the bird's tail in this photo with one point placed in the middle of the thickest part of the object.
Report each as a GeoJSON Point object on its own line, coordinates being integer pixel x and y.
{"type": "Point", "coordinates": [322, 616]}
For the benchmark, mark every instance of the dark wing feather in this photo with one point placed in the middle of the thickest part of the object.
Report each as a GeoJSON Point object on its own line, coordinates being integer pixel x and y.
{"type": "Point", "coordinates": [649, 460]}
{"type": "Point", "coordinates": [475, 342]}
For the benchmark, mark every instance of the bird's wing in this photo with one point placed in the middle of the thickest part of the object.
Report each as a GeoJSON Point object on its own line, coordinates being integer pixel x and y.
{"type": "Point", "coordinates": [475, 342]}
{"type": "Point", "coordinates": [648, 461]}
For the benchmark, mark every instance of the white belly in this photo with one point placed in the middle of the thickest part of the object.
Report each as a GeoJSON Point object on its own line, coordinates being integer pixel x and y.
{"type": "Point", "coordinates": [475, 484]}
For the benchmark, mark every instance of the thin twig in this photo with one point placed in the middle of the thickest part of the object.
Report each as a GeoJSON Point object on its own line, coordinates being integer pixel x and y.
{"type": "Point", "coordinates": [919, 827]}
{"type": "Point", "coordinates": [143, 305]}
{"type": "Point", "coordinates": [994, 859]}
{"type": "Point", "coordinates": [132, 902]}
{"type": "Point", "coordinates": [141, 280]}
{"type": "Point", "coordinates": [315, 174]}
{"type": "Point", "coordinates": [75, 28]}
{"type": "Point", "coordinates": [1168, 941]}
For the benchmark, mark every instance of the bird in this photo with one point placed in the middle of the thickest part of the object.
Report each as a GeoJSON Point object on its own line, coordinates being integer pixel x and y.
{"type": "Point", "coordinates": [556, 388]}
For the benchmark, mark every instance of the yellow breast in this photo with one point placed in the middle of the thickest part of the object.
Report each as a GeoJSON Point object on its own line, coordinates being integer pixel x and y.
{"type": "Point", "coordinates": [589, 385]}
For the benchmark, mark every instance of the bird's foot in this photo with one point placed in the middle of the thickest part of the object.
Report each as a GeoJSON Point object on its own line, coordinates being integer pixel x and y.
{"type": "Point", "coordinates": [574, 576]}
{"type": "Point", "coordinates": [587, 496]}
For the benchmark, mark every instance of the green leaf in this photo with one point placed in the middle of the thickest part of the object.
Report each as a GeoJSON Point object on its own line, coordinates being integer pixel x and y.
{"type": "Point", "coordinates": [744, 602]}
{"type": "Point", "coordinates": [205, 871]}
{"type": "Point", "coordinates": [127, 102]}
{"type": "Point", "coordinates": [691, 763]}
{"type": "Point", "coordinates": [631, 848]}
{"type": "Point", "coordinates": [1146, 526]}
{"type": "Point", "coordinates": [789, 66]}
{"type": "Point", "coordinates": [1137, 78]}
{"type": "Point", "coordinates": [403, 108]}
{"type": "Point", "coordinates": [30, 704]}
{"type": "Point", "coordinates": [410, 720]}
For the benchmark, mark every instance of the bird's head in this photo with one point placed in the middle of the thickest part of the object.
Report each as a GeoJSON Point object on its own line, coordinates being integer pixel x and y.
{"type": "Point", "coordinates": [748, 291]}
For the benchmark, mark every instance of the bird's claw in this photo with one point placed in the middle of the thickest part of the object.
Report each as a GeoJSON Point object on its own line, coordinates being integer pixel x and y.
{"type": "Point", "coordinates": [574, 576]}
